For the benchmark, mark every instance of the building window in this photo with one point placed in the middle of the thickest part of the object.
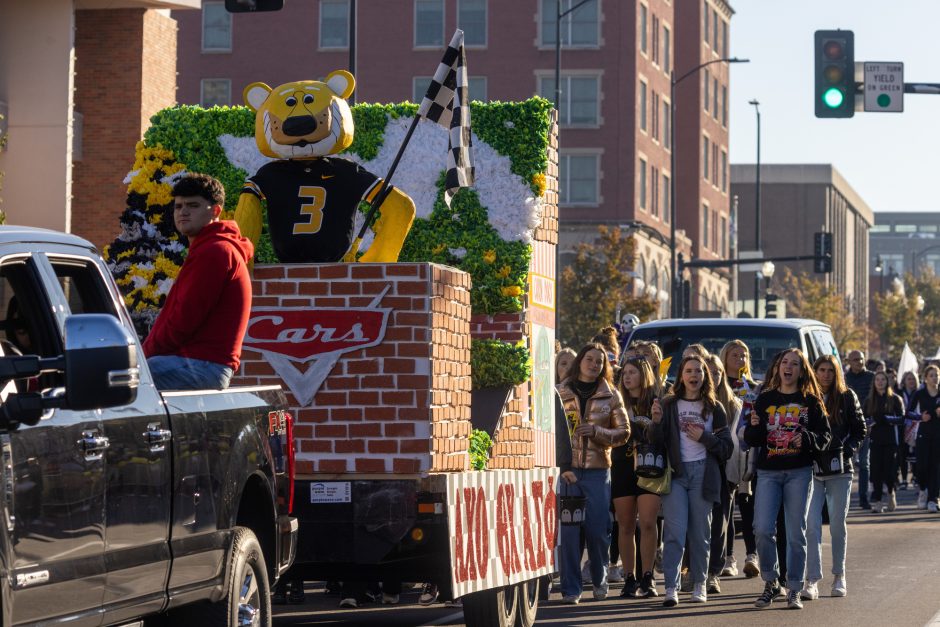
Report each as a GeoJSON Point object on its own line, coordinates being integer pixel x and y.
{"type": "Point", "coordinates": [715, 163]}
{"type": "Point", "coordinates": [724, 171]}
{"type": "Point", "coordinates": [644, 27]}
{"type": "Point", "coordinates": [655, 42]}
{"type": "Point", "coordinates": [667, 126]}
{"type": "Point", "coordinates": [715, 30]}
{"type": "Point", "coordinates": [667, 208]}
{"type": "Point", "coordinates": [215, 91]}
{"type": "Point", "coordinates": [642, 173]}
{"type": "Point", "coordinates": [334, 23]}
{"type": "Point", "coordinates": [715, 98]}
{"type": "Point", "coordinates": [642, 106]}
{"type": "Point", "coordinates": [476, 85]}
{"type": "Point", "coordinates": [216, 28]}
{"type": "Point", "coordinates": [580, 98]}
{"type": "Point", "coordinates": [705, 231]}
{"type": "Point", "coordinates": [578, 177]}
{"type": "Point", "coordinates": [654, 192]}
{"type": "Point", "coordinates": [429, 23]}
{"type": "Point", "coordinates": [667, 50]}
{"type": "Point", "coordinates": [724, 106]}
{"type": "Point", "coordinates": [706, 84]}
{"type": "Point", "coordinates": [894, 264]}
{"type": "Point", "coordinates": [705, 15]}
{"type": "Point", "coordinates": [724, 38]}
{"type": "Point", "coordinates": [723, 233]}
{"type": "Point", "coordinates": [705, 154]}
{"type": "Point", "coordinates": [654, 110]}
{"type": "Point", "coordinates": [471, 18]}
{"type": "Point", "coordinates": [580, 28]}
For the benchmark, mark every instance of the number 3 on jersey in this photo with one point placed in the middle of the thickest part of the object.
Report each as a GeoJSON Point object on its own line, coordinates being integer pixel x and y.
{"type": "Point", "coordinates": [313, 209]}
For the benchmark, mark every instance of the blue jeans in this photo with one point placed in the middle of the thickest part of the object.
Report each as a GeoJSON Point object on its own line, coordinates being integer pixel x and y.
{"type": "Point", "coordinates": [594, 484]}
{"type": "Point", "coordinates": [793, 488]}
{"type": "Point", "coordinates": [834, 491]}
{"type": "Point", "coordinates": [863, 458]}
{"type": "Point", "coordinates": [687, 519]}
{"type": "Point", "coordinates": [171, 372]}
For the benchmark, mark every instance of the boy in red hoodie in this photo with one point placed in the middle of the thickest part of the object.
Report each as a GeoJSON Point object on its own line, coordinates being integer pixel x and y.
{"type": "Point", "coordinates": [196, 341]}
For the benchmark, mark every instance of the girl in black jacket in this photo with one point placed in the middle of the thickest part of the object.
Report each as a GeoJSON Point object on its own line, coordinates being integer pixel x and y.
{"type": "Point", "coordinates": [886, 411]}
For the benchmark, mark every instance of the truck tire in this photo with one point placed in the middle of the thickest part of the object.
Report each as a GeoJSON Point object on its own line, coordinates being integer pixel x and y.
{"type": "Point", "coordinates": [247, 599]}
{"type": "Point", "coordinates": [496, 607]}
{"type": "Point", "coordinates": [527, 600]}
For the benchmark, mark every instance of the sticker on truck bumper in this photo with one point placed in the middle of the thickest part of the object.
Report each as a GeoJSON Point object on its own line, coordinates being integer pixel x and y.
{"type": "Point", "coordinates": [502, 527]}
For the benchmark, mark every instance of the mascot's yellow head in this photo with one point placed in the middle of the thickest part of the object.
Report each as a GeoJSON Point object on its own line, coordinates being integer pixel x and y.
{"type": "Point", "coordinates": [304, 119]}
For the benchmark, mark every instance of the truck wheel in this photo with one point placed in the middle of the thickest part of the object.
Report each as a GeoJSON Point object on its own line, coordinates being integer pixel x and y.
{"type": "Point", "coordinates": [247, 601]}
{"type": "Point", "coordinates": [527, 596]}
{"type": "Point", "coordinates": [496, 607]}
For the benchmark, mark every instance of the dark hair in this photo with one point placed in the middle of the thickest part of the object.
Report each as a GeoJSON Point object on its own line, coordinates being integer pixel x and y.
{"type": "Point", "coordinates": [607, 372]}
{"type": "Point", "coordinates": [806, 384]}
{"type": "Point", "coordinates": [201, 185]}
{"type": "Point", "coordinates": [873, 396]}
{"type": "Point", "coordinates": [839, 388]}
{"type": "Point", "coordinates": [649, 384]}
{"type": "Point", "coordinates": [708, 387]}
{"type": "Point", "coordinates": [607, 337]}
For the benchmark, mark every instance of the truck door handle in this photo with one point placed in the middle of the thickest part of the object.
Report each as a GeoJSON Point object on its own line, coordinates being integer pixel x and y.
{"type": "Point", "coordinates": [157, 437]}
{"type": "Point", "coordinates": [93, 445]}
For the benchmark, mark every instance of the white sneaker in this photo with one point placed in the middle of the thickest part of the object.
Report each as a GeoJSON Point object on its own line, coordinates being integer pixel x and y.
{"type": "Point", "coordinates": [839, 589]}
{"type": "Point", "coordinates": [389, 599]}
{"type": "Point", "coordinates": [922, 500]}
{"type": "Point", "coordinates": [615, 574]}
{"type": "Point", "coordinates": [672, 598]}
{"type": "Point", "coordinates": [876, 507]}
{"type": "Point", "coordinates": [571, 600]}
{"type": "Point", "coordinates": [892, 502]}
{"type": "Point", "coordinates": [600, 592]}
{"type": "Point", "coordinates": [932, 507]}
{"type": "Point", "coordinates": [751, 566]}
{"type": "Point", "coordinates": [699, 595]}
{"type": "Point", "coordinates": [428, 594]}
{"type": "Point", "coordinates": [810, 591]}
{"type": "Point", "coordinates": [731, 567]}
{"type": "Point", "coordinates": [350, 602]}
{"type": "Point", "coordinates": [586, 572]}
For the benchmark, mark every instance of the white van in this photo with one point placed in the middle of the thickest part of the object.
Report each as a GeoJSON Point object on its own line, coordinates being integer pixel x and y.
{"type": "Point", "coordinates": [765, 337]}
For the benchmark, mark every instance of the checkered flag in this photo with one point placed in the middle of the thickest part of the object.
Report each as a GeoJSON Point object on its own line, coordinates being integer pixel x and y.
{"type": "Point", "coordinates": [447, 103]}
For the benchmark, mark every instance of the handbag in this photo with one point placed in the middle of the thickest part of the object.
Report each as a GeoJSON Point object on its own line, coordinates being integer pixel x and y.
{"type": "Point", "coordinates": [660, 485]}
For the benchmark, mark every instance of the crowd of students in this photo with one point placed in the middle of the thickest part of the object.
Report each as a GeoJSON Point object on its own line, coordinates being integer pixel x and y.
{"type": "Point", "coordinates": [784, 451]}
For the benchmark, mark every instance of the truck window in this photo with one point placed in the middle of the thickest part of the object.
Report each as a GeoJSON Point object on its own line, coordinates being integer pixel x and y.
{"type": "Point", "coordinates": [82, 285]}
{"type": "Point", "coordinates": [763, 342]}
{"type": "Point", "coordinates": [811, 352]}
{"type": "Point", "coordinates": [825, 343]}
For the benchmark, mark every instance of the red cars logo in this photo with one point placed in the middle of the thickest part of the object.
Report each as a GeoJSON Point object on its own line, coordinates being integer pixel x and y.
{"type": "Point", "coordinates": [287, 336]}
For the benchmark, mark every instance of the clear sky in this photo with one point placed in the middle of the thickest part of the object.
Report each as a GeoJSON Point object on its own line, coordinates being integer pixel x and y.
{"type": "Point", "coordinates": [891, 159]}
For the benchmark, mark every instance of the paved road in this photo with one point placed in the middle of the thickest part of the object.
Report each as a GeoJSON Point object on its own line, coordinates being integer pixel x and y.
{"type": "Point", "coordinates": [893, 577]}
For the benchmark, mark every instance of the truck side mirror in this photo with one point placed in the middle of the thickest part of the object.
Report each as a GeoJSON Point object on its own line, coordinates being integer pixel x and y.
{"type": "Point", "coordinates": [101, 368]}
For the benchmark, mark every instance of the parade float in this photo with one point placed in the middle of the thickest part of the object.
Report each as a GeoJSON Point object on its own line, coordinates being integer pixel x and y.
{"type": "Point", "coordinates": [422, 388]}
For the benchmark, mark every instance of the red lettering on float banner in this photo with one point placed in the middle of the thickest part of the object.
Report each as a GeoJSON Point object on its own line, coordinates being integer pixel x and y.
{"type": "Point", "coordinates": [518, 508]}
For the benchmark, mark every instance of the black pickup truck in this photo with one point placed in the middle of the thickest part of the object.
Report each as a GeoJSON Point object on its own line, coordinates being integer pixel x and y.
{"type": "Point", "coordinates": [123, 505]}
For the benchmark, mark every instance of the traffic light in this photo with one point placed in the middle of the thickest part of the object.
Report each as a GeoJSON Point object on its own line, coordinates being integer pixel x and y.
{"type": "Point", "coordinates": [835, 73]}
{"type": "Point", "coordinates": [822, 249]}
{"type": "Point", "coordinates": [770, 306]}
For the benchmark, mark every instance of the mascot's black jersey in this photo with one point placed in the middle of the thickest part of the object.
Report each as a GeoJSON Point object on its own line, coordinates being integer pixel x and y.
{"type": "Point", "coordinates": [311, 206]}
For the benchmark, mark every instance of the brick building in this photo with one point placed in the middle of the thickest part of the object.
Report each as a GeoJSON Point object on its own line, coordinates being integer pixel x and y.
{"type": "Point", "coordinates": [104, 71]}
{"type": "Point", "coordinates": [613, 52]}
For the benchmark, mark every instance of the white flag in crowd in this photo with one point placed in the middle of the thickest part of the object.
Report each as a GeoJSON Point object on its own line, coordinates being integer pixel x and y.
{"type": "Point", "coordinates": [908, 362]}
{"type": "Point", "coordinates": [447, 103]}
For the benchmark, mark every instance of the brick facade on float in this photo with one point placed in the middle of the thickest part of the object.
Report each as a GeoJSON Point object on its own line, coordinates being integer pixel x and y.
{"type": "Point", "coordinates": [125, 71]}
{"type": "Point", "coordinates": [516, 445]}
{"type": "Point", "coordinates": [400, 407]}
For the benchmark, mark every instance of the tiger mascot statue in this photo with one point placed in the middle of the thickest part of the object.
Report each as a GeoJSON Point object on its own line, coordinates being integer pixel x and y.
{"type": "Point", "coordinates": [312, 197]}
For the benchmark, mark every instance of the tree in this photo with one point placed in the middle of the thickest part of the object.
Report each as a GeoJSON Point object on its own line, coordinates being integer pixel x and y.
{"type": "Point", "coordinates": [896, 321]}
{"type": "Point", "coordinates": [927, 333]}
{"type": "Point", "coordinates": [903, 316]}
{"type": "Point", "coordinates": [597, 283]}
{"type": "Point", "coordinates": [810, 298]}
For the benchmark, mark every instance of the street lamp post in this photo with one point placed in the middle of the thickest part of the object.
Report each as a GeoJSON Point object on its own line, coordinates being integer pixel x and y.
{"type": "Point", "coordinates": [673, 81]}
{"type": "Point", "coordinates": [560, 15]}
{"type": "Point", "coordinates": [756, 105]}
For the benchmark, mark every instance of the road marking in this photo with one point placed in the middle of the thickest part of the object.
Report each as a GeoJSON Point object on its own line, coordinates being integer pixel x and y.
{"type": "Point", "coordinates": [935, 621]}
{"type": "Point", "coordinates": [443, 620]}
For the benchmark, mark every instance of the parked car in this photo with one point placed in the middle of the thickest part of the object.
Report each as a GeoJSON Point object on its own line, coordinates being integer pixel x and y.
{"type": "Point", "coordinates": [122, 503]}
{"type": "Point", "coordinates": [764, 337]}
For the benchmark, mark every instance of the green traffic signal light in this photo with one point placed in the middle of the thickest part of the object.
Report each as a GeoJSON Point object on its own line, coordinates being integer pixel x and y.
{"type": "Point", "coordinates": [833, 97]}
